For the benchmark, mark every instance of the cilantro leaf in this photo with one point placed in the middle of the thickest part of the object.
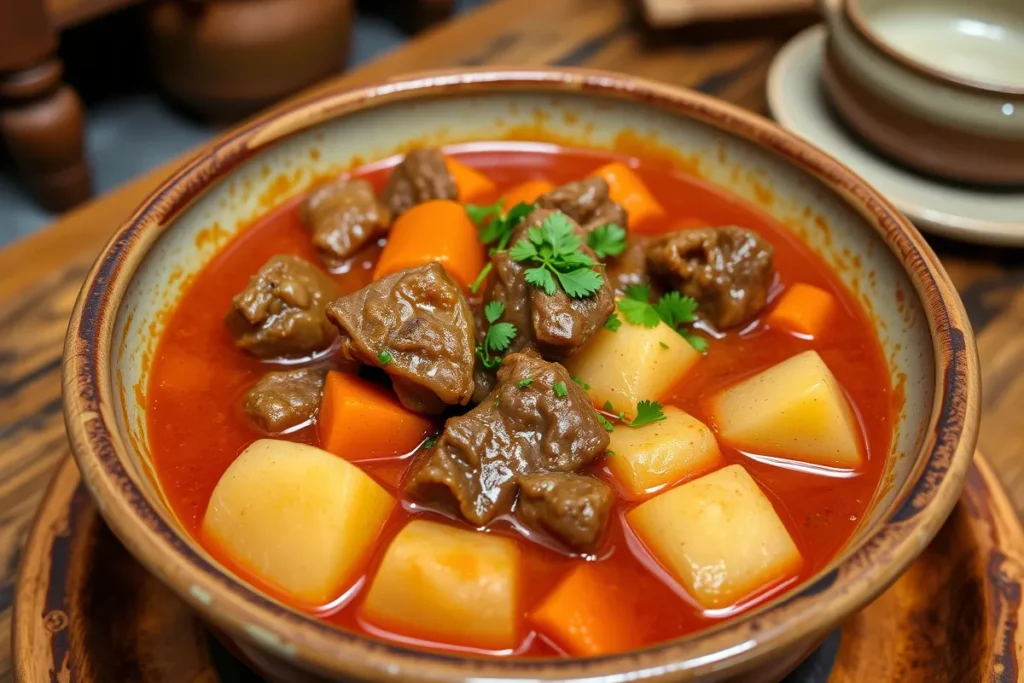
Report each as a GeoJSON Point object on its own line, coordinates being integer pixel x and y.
{"type": "Point", "coordinates": [613, 322]}
{"type": "Point", "coordinates": [539, 277]}
{"type": "Point", "coordinates": [553, 248]}
{"type": "Point", "coordinates": [647, 412]}
{"type": "Point", "coordinates": [676, 309]}
{"type": "Point", "coordinates": [607, 240]}
{"type": "Point", "coordinates": [581, 282]}
{"type": "Point", "coordinates": [431, 440]}
{"type": "Point", "coordinates": [560, 389]}
{"type": "Point", "coordinates": [579, 381]}
{"type": "Point", "coordinates": [699, 343]}
{"type": "Point", "coordinates": [639, 293]}
{"type": "Point", "coordinates": [498, 338]}
{"type": "Point", "coordinates": [493, 311]}
{"type": "Point", "coordinates": [663, 345]}
{"type": "Point", "coordinates": [480, 214]}
{"type": "Point", "coordinates": [523, 383]}
{"type": "Point", "coordinates": [606, 423]}
{"type": "Point", "coordinates": [384, 357]}
{"type": "Point", "coordinates": [639, 313]}
{"type": "Point", "coordinates": [500, 335]}
{"type": "Point", "coordinates": [609, 452]}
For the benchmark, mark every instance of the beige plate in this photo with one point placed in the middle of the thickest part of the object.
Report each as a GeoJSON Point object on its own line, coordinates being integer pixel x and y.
{"type": "Point", "coordinates": [797, 101]}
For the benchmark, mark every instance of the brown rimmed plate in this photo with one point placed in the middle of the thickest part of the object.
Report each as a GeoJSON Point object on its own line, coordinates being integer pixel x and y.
{"type": "Point", "coordinates": [87, 612]}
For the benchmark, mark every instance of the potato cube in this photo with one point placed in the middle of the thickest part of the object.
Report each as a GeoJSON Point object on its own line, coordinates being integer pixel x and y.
{"type": "Point", "coordinates": [634, 363]}
{"type": "Point", "coordinates": [660, 454]}
{"type": "Point", "coordinates": [719, 536]}
{"type": "Point", "coordinates": [793, 410]}
{"type": "Point", "coordinates": [444, 584]}
{"type": "Point", "coordinates": [297, 517]}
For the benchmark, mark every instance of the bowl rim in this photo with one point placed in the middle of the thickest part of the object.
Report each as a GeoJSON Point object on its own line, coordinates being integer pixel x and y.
{"type": "Point", "coordinates": [797, 618]}
{"type": "Point", "coordinates": [852, 10]}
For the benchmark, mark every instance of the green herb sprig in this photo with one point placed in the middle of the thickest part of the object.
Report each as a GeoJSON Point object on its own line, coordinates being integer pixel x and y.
{"type": "Point", "coordinates": [647, 412]}
{"type": "Point", "coordinates": [496, 227]}
{"type": "Point", "coordinates": [554, 248]}
{"type": "Point", "coordinates": [674, 309]}
{"type": "Point", "coordinates": [498, 338]}
{"type": "Point", "coordinates": [607, 240]}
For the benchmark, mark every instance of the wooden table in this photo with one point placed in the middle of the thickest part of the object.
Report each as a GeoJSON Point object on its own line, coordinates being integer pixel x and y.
{"type": "Point", "coordinates": [40, 276]}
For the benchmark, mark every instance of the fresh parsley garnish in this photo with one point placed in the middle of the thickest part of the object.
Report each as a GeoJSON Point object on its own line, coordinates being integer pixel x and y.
{"type": "Point", "coordinates": [554, 247]}
{"type": "Point", "coordinates": [647, 412]}
{"type": "Point", "coordinates": [580, 382]}
{"type": "Point", "coordinates": [523, 383]}
{"type": "Point", "coordinates": [431, 440]}
{"type": "Point", "coordinates": [609, 452]}
{"type": "Point", "coordinates": [498, 337]}
{"type": "Point", "coordinates": [560, 389]}
{"type": "Point", "coordinates": [663, 345]}
{"type": "Point", "coordinates": [385, 357]}
{"type": "Point", "coordinates": [496, 228]}
{"type": "Point", "coordinates": [674, 309]}
{"type": "Point", "coordinates": [607, 240]}
{"type": "Point", "coordinates": [613, 322]}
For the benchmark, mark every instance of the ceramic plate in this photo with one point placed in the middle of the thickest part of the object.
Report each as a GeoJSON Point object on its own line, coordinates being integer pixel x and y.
{"type": "Point", "coordinates": [797, 100]}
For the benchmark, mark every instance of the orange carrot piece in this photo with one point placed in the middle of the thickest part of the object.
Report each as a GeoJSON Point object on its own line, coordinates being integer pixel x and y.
{"type": "Point", "coordinates": [360, 420]}
{"type": "Point", "coordinates": [438, 230]}
{"type": "Point", "coordinates": [580, 617]}
{"type": "Point", "coordinates": [527, 192]}
{"type": "Point", "coordinates": [473, 185]}
{"type": "Point", "coordinates": [626, 188]}
{"type": "Point", "coordinates": [803, 309]}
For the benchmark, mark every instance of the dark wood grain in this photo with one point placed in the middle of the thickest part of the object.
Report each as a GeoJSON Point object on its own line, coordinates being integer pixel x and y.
{"type": "Point", "coordinates": [40, 276]}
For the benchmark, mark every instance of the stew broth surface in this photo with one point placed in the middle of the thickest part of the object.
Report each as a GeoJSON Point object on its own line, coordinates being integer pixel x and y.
{"type": "Point", "coordinates": [198, 376]}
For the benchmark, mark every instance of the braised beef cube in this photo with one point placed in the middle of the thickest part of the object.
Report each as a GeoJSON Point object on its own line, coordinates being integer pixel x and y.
{"type": "Point", "coordinates": [728, 270]}
{"type": "Point", "coordinates": [343, 216]}
{"type": "Point", "coordinates": [526, 425]}
{"type": "Point", "coordinates": [586, 202]}
{"type": "Point", "coordinates": [630, 268]}
{"type": "Point", "coordinates": [281, 312]}
{"type": "Point", "coordinates": [556, 323]}
{"type": "Point", "coordinates": [571, 508]}
{"type": "Point", "coordinates": [417, 327]}
{"type": "Point", "coordinates": [282, 400]}
{"type": "Point", "coordinates": [422, 176]}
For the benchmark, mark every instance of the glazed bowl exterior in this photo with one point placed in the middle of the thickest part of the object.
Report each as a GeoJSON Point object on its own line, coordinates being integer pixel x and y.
{"type": "Point", "coordinates": [877, 254]}
{"type": "Point", "coordinates": [937, 121]}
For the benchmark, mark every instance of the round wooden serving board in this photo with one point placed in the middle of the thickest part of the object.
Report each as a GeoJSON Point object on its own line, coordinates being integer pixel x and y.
{"type": "Point", "coordinates": [87, 612]}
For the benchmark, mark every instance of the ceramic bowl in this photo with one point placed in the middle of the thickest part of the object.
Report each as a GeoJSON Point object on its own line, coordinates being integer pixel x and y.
{"type": "Point", "coordinates": [936, 84]}
{"type": "Point", "coordinates": [879, 256]}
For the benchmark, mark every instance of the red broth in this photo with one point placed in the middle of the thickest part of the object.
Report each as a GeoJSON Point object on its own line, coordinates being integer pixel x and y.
{"type": "Point", "coordinates": [197, 428]}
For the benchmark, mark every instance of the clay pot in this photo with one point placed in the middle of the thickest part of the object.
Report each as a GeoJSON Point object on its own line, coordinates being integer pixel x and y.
{"type": "Point", "coordinates": [228, 58]}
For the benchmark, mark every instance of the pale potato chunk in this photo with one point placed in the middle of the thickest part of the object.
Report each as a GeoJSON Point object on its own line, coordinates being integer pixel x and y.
{"type": "Point", "coordinates": [660, 454]}
{"type": "Point", "coordinates": [793, 410]}
{"type": "Point", "coordinates": [297, 517]}
{"type": "Point", "coordinates": [719, 536]}
{"type": "Point", "coordinates": [444, 584]}
{"type": "Point", "coordinates": [634, 363]}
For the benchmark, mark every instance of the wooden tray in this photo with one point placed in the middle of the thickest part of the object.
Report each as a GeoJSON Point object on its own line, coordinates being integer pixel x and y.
{"type": "Point", "coordinates": [86, 612]}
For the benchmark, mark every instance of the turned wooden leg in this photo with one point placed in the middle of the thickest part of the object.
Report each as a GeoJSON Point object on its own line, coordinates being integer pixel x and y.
{"type": "Point", "coordinates": [41, 121]}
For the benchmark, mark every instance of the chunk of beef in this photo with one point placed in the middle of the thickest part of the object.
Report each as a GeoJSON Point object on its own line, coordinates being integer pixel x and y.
{"type": "Point", "coordinates": [474, 466]}
{"type": "Point", "coordinates": [586, 202]}
{"type": "Point", "coordinates": [343, 216]}
{"type": "Point", "coordinates": [556, 323]}
{"type": "Point", "coordinates": [630, 268]}
{"type": "Point", "coordinates": [572, 508]}
{"type": "Point", "coordinates": [728, 270]}
{"type": "Point", "coordinates": [284, 399]}
{"type": "Point", "coordinates": [280, 313]}
{"type": "Point", "coordinates": [417, 327]}
{"type": "Point", "coordinates": [422, 176]}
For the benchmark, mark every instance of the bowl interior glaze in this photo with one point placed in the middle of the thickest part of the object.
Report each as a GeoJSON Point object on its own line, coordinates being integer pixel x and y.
{"type": "Point", "coordinates": [875, 253]}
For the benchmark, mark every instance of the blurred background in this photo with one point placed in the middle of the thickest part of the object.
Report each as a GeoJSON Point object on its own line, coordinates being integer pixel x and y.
{"type": "Point", "coordinates": [158, 77]}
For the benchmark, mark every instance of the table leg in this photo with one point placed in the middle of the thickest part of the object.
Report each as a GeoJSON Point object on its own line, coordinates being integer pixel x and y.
{"type": "Point", "coordinates": [41, 117]}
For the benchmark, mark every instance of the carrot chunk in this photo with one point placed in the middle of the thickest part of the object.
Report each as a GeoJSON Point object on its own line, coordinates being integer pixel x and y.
{"type": "Point", "coordinates": [803, 309]}
{"type": "Point", "coordinates": [626, 188]}
{"type": "Point", "coordinates": [527, 192]}
{"type": "Point", "coordinates": [581, 617]}
{"type": "Point", "coordinates": [354, 413]}
{"type": "Point", "coordinates": [438, 230]}
{"type": "Point", "coordinates": [473, 185]}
